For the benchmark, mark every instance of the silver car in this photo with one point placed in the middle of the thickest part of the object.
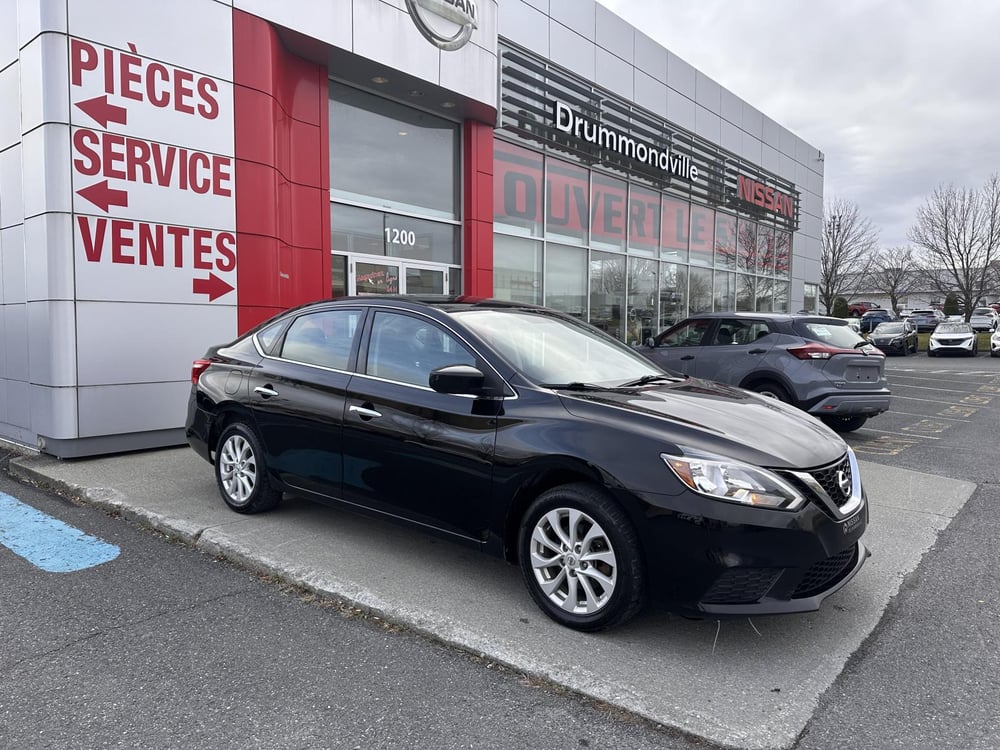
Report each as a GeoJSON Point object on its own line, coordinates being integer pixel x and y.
{"type": "Point", "coordinates": [983, 319]}
{"type": "Point", "coordinates": [813, 362]}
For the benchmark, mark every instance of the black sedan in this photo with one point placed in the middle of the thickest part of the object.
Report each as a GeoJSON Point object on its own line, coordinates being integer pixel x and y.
{"type": "Point", "coordinates": [896, 337]}
{"type": "Point", "coordinates": [538, 438]}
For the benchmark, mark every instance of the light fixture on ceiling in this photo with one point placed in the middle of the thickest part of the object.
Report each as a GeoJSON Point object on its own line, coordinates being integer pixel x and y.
{"type": "Point", "coordinates": [380, 80]}
{"type": "Point", "coordinates": [448, 105]}
{"type": "Point", "coordinates": [403, 132]}
{"type": "Point", "coordinates": [416, 92]}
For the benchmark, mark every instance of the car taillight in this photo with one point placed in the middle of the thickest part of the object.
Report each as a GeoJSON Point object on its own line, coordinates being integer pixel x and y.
{"type": "Point", "coordinates": [197, 368]}
{"type": "Point", "coordinates": [814, 350]}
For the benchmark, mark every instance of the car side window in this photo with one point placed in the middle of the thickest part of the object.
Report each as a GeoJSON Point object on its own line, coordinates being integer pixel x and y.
{"type": "Point", "coordinates": [322, 338]}
{"type": "Point", "coordinates": [689, 333]}
{"type": "Point", "coordinates": [406, 349]}
{"type": "Point", "coordinates": [739, 331]}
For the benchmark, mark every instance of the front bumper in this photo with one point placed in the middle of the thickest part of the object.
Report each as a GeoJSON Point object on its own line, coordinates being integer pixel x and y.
{"type": "Point", "coordinates": [964, 346]}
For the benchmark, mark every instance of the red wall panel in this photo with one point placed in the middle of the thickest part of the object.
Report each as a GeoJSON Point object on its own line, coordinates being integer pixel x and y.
{"type": "Point", "coordinates": [477, 198]}
{"type": "Point", "coordinates": [282, 177]}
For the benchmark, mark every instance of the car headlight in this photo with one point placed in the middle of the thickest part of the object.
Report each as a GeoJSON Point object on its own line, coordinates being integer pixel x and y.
{"type": "Point", "coordinates": [733, 481]}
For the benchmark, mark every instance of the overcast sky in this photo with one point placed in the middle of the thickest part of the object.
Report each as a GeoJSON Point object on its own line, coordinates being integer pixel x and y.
{"type": "Point", "coordinates": [901, 95]}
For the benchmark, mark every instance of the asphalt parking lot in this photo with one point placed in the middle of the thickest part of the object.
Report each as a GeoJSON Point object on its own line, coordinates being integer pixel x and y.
{"type": "Point", "coordinates": [749, 684]}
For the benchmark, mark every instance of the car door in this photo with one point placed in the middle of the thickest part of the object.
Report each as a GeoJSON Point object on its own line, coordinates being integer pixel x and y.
{"type": "Point", "coordinates": [677, 348]}
{"type": "Point", "coordinates": [298, 394]}
{"type": "Point", "coordinates": [408, 450]}
{"type": "Point", "coordinates": [734, 349]}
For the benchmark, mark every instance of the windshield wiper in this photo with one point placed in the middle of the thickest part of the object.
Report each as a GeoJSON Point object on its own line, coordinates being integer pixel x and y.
{"type": "Point", "coordinates": [646, 379]}
{"type": "Point", "coordinates": [577, 386]}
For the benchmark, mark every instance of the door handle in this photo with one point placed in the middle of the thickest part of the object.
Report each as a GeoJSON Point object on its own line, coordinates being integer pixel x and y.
{"type": "Point", "coordinates": [757, 351]}
{"type": "Point", "coordinates": [364, 412]}
{"type": "Point", "coordinates": [687, 356]}
{"type": "Point", "coordinates": [265, 391]}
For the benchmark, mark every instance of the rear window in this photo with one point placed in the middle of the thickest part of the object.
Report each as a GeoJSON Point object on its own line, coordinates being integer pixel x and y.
{"type": "Point", "coordinates": [983, 311]}
{"type": "Point", "coordinates": [832, 332]}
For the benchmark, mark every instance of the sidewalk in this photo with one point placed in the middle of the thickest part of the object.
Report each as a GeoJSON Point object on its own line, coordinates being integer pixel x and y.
{"type": "Point", "coordinates": [740, 684]}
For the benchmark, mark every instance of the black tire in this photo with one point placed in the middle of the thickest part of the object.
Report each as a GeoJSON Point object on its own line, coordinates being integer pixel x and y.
{"type": "Point", "coordinates": [845, 424]}
{"type": "Point", "coordinates": [241, 473]}
{"type": "Point", "coordinates": [772, 390]}
{"type": "Point", "coordinates": [610, 577]}
{"type": "Point", "coordinates": [906, 349]}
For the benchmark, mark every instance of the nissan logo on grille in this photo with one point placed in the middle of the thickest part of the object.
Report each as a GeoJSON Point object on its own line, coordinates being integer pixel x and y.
{"type": "Point", "coordinates": [844, 482]}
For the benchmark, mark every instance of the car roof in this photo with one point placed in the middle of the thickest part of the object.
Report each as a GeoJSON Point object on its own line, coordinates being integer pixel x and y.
{"type": "Point", "coordinates": [764, 315]}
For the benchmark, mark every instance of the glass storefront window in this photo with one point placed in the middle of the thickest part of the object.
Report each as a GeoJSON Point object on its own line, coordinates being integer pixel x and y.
{"type": "Point", "coordinates": [765, 294]}
{"type": "Point", "coordinates": [566, 279]}
{"type": "Point", "coordinates": [356, 230]}
{"type": "Point", "coordinates": [642, 317]}
{"type": "Point", "coordinates": [746, 292]}
{"type": "Point", "coordinates": [609, 212]}
{"type": "Point", "coordinates": [782, 253]}
{"type": "Point", "coordinates": [702, 236]}
{"type": "Point", "coordinates": [781, 296]}
{"type": "Point", "coordinates": [700, 290]}
{"type": "Point", "coordinates": [673, 294]}
{"type": "Point", "coordinates": [517, 269]}
{"type": "Point", "coordinates": [765, 250]}
{"type": "Point", "coordinates": [339, 273]}
{"type": "Point", "coordinates": [676, 227]}
{"type": "Point", "coordinates": [643, 221]}
{"type": "Point", "coordinates": [389, 155]}
{"type": "Point", "coordinates": [810, 298]}
{"type": "Point", "coordinates": [746, 246]}
{"type": "Point", "coordinates": [724, 290]}
{"type": "Point", "coordinates": [517, 189]}
{"type": "Point", "coordinates": [420, 239]}
{"type": "Point", "coordinates": [725, 241]}
{"type": "Point", "coordinates": [567, 206]}
{"type": "Point", "coordinates": [607, 293]}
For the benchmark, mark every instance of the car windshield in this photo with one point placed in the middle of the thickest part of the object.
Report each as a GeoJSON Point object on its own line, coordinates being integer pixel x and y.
{"type": "Point", "coordinates": [833, 332]}
{"type": "Point", "coordinates": [889, 328]}
{"type": "Point", "coordinates": [554, 350]}
{"type": "Point", "coordinates": [953, 328]}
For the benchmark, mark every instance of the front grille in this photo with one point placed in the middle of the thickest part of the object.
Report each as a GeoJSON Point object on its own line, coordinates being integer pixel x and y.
{"type": "Point", "coordinates": [824, 573]}
{"type": "Point", "coordinates": [829, 480]}
{"type": "Point", "coordinates": [741, 586]}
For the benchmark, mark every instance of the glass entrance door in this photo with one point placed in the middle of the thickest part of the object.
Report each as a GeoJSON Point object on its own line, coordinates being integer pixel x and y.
{"type": "Point", "coordinates": [367, 277]}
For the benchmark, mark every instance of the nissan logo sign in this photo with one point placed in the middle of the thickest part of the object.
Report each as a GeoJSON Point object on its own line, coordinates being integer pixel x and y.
{"type": "Point", "coordinates": [452, 25]}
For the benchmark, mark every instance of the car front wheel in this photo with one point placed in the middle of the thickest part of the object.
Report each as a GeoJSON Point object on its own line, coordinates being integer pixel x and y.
{"type": "Point", "coordinates": [772, 390]}
{"type": "Point", "coordinates": [845, 424]}
{"type": "Point", "coordinates": [241, 473]}
{"type": "Point", "coordinates": [579, 555]}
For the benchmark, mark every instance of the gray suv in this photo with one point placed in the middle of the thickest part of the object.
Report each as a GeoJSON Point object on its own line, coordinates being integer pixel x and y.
{"type": "Point", "coordinates": [816, 363]}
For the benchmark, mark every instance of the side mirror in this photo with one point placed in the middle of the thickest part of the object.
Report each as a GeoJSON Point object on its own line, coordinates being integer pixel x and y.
{"type": "Point", "coordinates": [651, 342]}
{"type": "Point", "coordinates": [463, 380]}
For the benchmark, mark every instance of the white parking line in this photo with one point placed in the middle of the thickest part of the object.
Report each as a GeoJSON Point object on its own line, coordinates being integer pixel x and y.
{"type": "Point", "coordinates": [906, 435]}
{"type": "Point", "coordinates": [927, 416]}
{"type": "Point", "coordinates": [928, 388]}
{"type": "Point", "coordinates": [932, 401]}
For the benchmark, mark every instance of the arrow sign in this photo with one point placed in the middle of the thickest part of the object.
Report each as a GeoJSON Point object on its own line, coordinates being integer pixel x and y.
{"type": "Point", "coordinates": [99, 110]}
{"type": "Point", "coordinates": [213, 286]}
{"type": "Point", "coordinates": [102, 196]}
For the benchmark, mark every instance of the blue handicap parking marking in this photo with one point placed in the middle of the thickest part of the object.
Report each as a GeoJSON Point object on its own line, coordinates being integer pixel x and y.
{"type": "Point", "coordinates": [48, 543]}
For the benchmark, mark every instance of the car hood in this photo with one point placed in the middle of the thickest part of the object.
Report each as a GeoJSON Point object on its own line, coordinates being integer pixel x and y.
{"type": "Point", "coordinates": [720, 419]}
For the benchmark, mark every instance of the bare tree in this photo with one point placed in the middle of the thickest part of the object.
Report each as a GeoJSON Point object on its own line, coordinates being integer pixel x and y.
{"type": "Point", "coordinates": [849, 243]}
{"type": "Point", "coordinates": [894, 273]}
{"type": "Point", "coordinates": [958, 230]}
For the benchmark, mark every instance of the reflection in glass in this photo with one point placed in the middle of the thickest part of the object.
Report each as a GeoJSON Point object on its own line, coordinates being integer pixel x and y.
{"type": "Point", "coordinates": [746, 246]}
{"type": "Point", "coordinates": [765, 250]}
{"type": "Point", "coordinates": [609, 212]}
{"type": "Point", "coordinates": [724, 290]}
{"type": "Point", "coordinates": [765, 294]}
{"type": "Point", "coordinates": [420, 239]}
{"type": "Point", "coordinates": [607, 293]}
{"type": "Point", "coordinates": [566, 279]}
{"type": "Point", "coordinates": [517, 269]}
{"type": "Point", "coordinates": [643, 221]}
{"type": "Point", "coordinates": [356, 230]}
{"type": "Point", "coordinates": [781, 296]}
{"type": "Point", "coordinates": [424, 281]}
{"type": "Point", "coordinates": [700, 290]}
{"type": "Point", "coordinates": [517, 189]}
{"type": "Point", "coordinates": [782, 253]}
{"type": "Point", "coordinates": [725, 241]}
{"type": "Point", "coordinates": [810, 297]}
{"type": "Point", "coordinates": [339, 275]}
{"type": "Point", "coordinates": [385, 153]}
{"type": "Point", "coordinates": [642, 317]}
{"type": "Point", "coordinates": [673, 294]}
{"type": "Point", "coordinates": [702, 235]}
{"type": "Point", "coordinates": [745, 292]}
{"type": "Point", "coordinates": [676, 227]}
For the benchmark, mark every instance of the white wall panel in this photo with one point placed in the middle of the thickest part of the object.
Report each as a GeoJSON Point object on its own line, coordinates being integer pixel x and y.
{"type": "Point", "coordinates": [10, 116]}
{"type": "Point", "coordinates": [11, 189]}
{"type": "Point", "coordinates": [525, 25]}
{"type": "Point", "coordinates": [15, 341]}
{"type": "Point", "coordinates": [387, 35]}
{"type": "Point", "coordinates": [12, 263]}
{"type": "Point", "coordinates": [326, 21]}
{"type": "Point", "coordinates": [53, 412]}
{"type": "Point", "coordinates": [650, 93]}
{"type": "Point", "coordinates": [681, 76]}
{"type": "Point", "coordinates": [46, 178]}
{"type": "Point", "coordinates": [19, 404]}
{"type": "Point", "coordinates": [37, 16]}
{"type": "Point", "coordinates": [52, 343]}
{"type": "Point", "coordinates": [118, 409]}
{"type": "Point", "coordinates": [193, 34]}
{"type": "Point", "coordinates": [48, 257]}
{"type": "Point", "coordinates": [164, 340]}
{"type": "Point", "coordinates": [44, 82]}
{"type": "Point", "coordinates": [8, 33]}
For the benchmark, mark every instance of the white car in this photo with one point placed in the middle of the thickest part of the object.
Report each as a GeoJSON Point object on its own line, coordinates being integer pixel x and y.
{"type": "Point", "coordinates": [995, 343]}
{"type": "Point", "coordinates": [983, 319]}
{"type": "Point", "coordinates": [953, 337]}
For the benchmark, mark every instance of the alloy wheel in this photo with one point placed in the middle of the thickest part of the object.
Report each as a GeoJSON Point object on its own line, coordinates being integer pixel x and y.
{"type": "Point", "coordinates": [238, 469]}
{"type": "Point", "coordinates": [573, 561]}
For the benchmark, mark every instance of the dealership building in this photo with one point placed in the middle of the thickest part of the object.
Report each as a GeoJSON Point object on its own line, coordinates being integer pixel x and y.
{"type": "Point", "coordinates": [172, 174]}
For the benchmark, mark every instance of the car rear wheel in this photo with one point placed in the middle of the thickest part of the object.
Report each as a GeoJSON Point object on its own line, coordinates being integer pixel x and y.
{"type": "Point", "coordinates": [579, 555]}
{"type": "Point", "coordinates": [241, 473]}
{"type": "Point", "coordinates": [772, 390]}
{"type": "Point", "coordinates": [845, 424]}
